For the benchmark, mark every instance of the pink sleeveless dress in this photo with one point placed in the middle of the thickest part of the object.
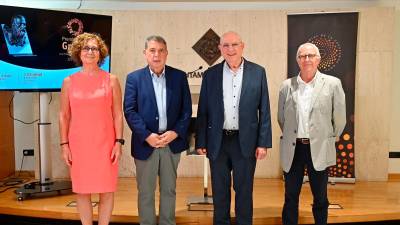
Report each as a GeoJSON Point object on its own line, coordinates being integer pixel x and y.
{"type": "Point", "coordinates": [91, 133]}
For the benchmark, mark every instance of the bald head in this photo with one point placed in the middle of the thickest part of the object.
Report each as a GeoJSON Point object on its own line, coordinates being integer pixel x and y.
{"type": "Point", "coordinates": [230, 34]}
{"type": "Point", "coordinates": [231, 47]}
{"type": "Point", "coordinates": [308, 59]}
{"type": "Point", "coordinates": [308, 45]}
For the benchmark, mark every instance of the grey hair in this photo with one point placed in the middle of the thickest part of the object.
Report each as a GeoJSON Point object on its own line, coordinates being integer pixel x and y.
{"type": "Point", "coordinates": [155, 38]}
{"type": "Point", "coordinates": [308, 44]}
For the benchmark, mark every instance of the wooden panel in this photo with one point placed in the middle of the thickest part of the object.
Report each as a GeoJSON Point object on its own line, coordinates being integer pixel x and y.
{"type": "Point", "coordinates": [361, 202]}
{"type": "Point", "coordinates": [7, 165]}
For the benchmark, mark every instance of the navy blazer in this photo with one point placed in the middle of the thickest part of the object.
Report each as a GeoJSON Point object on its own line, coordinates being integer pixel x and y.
{"type": "Point", "coordinates": [141, 113]}
{"type": "Point", "coordinates": [254, 111]}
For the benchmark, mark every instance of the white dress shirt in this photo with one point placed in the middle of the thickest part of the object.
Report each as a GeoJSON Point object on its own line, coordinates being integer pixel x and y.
{"type": "Point", "coordinates": [304, 106]}
{"type": "Point", "coordinates": [232, 86]}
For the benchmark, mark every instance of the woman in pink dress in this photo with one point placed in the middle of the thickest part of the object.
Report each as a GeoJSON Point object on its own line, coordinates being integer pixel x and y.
{"type": "Point", "coordinates": [91, 128]}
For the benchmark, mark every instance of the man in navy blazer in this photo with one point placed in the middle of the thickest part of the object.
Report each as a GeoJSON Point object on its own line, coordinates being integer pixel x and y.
{"type": "Point", "coordinates": [158, 110]}
{"type": "Point", "coordinates": [233, 128]}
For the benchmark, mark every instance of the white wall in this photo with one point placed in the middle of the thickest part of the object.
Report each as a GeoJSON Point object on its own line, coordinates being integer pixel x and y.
{"type": "Point", "coordinates": [394, 164]}
{"type": "Point", "coordinates": [24, 133]}
{"type": "Point", "coordinates": [25, 103]}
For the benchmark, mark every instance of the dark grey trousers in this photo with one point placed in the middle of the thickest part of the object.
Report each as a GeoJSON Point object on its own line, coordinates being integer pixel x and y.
{"type": "Point", "coordinates": [162, 163]}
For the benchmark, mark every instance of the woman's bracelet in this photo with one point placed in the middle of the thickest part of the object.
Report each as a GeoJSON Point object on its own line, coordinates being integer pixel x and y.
{"type": "Point", "coordinates": [64, 143]}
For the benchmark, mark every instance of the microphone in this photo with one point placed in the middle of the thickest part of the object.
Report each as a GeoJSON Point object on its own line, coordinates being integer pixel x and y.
{"type": "Point", "coordinates": [200, 67]}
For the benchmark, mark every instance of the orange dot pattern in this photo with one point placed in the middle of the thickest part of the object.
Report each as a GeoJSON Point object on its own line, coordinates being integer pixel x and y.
{"type": "Point", "coordinates": [330, 51]}
{"type": "Point", "coordinates": [345, 157]}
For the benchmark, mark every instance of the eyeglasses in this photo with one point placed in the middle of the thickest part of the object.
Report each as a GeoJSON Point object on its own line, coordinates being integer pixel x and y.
{"type": "Point", "coordinates": [87, 49]}
{"type": "Point", "coordinates": [153, 51]}
{"type": "Point", "coordinates": [233, 45]}
{"type": "Point", "coordinates": [310, 56]}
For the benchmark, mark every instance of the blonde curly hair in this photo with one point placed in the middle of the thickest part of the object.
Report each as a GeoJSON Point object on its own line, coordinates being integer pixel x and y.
{"type": "Point", "coordinates": [80, 41]}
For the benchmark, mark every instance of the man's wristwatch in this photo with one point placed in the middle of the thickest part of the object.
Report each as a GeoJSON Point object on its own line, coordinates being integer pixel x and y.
{"type": "Point", "coordinates": [121, 141]}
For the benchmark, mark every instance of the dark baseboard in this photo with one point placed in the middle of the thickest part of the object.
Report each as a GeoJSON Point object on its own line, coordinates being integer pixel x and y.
{"type": "Point", "coordinates": [23, 220]}
{"type": "Point", "coordinates": [393, 155]}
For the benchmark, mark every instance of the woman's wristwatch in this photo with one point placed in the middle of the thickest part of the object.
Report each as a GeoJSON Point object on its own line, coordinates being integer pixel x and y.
{"type": "Point", "coordinates": [120, 140]}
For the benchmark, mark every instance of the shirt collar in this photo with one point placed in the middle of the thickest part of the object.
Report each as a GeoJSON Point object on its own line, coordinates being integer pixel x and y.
{"type": "Point", "coordinates": [302, 82]}
{"type": "Point", "coordinates": [226, 67]}
{"type": "Point", "coordinates": [154, 75]}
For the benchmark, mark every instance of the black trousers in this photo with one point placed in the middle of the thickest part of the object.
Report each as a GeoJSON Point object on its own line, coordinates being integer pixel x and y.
{"type": "Point", "coordinates": [293, 183]}
{"type": "Point", "coordinates": [230, 159]}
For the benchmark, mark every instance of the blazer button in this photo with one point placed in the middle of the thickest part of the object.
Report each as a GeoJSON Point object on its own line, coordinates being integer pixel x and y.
{"type": "Point", "coordinates": [293, 144]}
{"type": "Point", "coordinates": [295, 131]}
{"type": "Point", "coordinates": [156, 118]}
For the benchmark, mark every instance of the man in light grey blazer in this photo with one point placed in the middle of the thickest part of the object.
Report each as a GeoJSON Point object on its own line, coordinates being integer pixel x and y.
{"type": "Point", "coordinates": [311, 115]}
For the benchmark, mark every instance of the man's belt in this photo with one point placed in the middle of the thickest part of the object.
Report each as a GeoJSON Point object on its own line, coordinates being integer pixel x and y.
{"type": "Point", "coordinates": [230, 132]}
{"type": "Point", "coordinates": [304, 141]}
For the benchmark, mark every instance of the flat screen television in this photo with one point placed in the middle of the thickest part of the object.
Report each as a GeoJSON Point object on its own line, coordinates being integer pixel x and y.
{"type": "Point", "coordinates": [34, 46]}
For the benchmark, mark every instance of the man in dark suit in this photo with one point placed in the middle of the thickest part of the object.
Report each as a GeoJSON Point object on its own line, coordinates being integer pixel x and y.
{"type": "Point", "coordinates": [158, 109]}
{"type": "Point", "coordinates": [233, 128]}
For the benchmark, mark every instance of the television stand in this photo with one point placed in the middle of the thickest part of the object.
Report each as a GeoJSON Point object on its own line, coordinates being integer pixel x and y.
{"type": "Point", "coordinates": [45, 186]}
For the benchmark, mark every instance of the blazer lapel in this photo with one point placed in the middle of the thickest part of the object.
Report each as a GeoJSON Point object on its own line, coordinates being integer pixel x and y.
{"type": "Point", "coordinates": [168, 85]}
{"type": "Point", "coordinates": [219, 87]}
{"type": "Point", "coordinates": [245, 81]}
{"type": "Point", "coordinates": [319, 83]}
{"type": "Point", "coordinates": [294, 87]}
{"type": "Point", "coordinates": [149, 83]}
